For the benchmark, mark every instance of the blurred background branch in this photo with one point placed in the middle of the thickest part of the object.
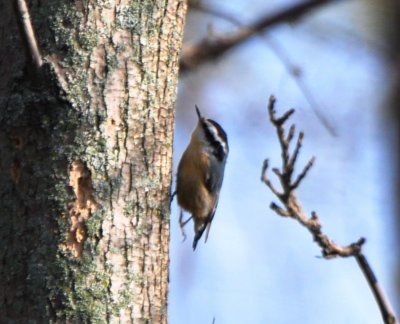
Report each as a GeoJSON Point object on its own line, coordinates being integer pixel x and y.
{"type": "Point", "coordinates": [211, 49]}
{"type": "Point", "coordinates": [293, 70]}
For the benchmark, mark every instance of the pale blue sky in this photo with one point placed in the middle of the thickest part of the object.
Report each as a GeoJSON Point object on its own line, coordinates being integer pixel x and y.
{"type": "Point", "coordinates": [257, 267]}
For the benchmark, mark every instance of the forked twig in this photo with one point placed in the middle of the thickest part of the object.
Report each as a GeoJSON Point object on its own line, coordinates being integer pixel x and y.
{"type": "Point", "coordinates": [292, 208]}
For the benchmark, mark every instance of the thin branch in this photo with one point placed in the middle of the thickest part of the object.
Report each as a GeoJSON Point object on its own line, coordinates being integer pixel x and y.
{"type": "Point", "coordinates": [384, 305]}
{"type": "Point", "coordinates": [28, 35]}
{"type": "Point", "coordinates": [293, 209]}
{"type": "Point", "coordinates": [265, 179]}
{"type": "Point", "coordinates": [291, 132]}
{"type": "Point", "coordinates": [301, 176]}
{"type": "Point", "coordinates": [207, 49]}
{"type": "Point", "coordinates": [296, 151]}
{"type": "Point", "coordinates": [279, 210]}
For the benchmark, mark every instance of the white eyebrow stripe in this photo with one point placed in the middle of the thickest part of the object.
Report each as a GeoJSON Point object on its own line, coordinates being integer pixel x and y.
{"type": "Point", "coordinates": [214, 132]}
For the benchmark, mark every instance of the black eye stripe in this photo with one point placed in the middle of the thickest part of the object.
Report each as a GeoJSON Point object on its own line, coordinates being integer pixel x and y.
{"type": "Point", "coordinates": [220, 131]}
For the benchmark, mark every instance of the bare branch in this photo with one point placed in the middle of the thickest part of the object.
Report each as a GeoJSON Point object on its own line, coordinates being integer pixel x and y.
{"type": "Point", "coordinates": [278, 121]}
{"type": "Point", "coordinates": [292, 208]}
{"type": "Point", "coordinates": [265, 179]}
{"type": "Point", "coordinates": [28, 34]}
{"type": "Point", "coordinates": [288, 197]}
{"type": "Point", "coordinates": [271, 106]}
{"type": "Point", "coordinates": [207, 50]}
{"type": "Point", "coordinates": [286, 116]}
{"type": "Point", "coordinates": [301, 176]}
{"type": "Point", "coordinates": [384, 305]}
{"type": "Point", "coordinates": [264, 169]}
{"type": "Point", "coordinates": [291, 132]}
{"type": "Point", "coordinates": [296, 151]}
{"type": "Point", "coordinates": [277, 172]}
{"type": "Point", "coordinates": [279, 210]}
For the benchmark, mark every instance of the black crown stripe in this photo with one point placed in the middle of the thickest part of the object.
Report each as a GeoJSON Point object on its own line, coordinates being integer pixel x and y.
{"type": "Point", "coordinates": [216, 140]}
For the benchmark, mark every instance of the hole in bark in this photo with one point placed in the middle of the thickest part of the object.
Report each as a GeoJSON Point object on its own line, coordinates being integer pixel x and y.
{"type": "Point", "coordinates": [80, 179]}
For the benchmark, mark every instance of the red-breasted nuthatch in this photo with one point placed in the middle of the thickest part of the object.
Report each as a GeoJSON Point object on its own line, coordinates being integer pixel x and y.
{"type": "Point", "coordinates": [200, 174]}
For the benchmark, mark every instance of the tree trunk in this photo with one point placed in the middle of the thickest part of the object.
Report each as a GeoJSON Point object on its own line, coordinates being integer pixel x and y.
{"type": "Point", "coordinates": [85, 160]}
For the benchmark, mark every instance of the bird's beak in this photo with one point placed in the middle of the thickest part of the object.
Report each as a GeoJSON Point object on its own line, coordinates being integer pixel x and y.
{"type": "Point", "coordinates": [198, 112]}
